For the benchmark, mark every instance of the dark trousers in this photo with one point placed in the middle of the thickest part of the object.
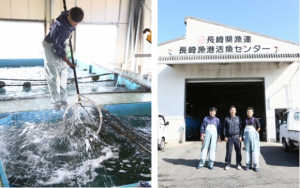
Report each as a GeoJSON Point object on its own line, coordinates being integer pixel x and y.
{"type": "Point", "coordinates": [233, 140]}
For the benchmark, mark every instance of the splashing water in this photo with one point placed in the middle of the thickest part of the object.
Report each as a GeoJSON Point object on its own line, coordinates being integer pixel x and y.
{"type": "Point", "coordinates": [45, 155]}
{"type": "Point", "coordinates": [83, 113]}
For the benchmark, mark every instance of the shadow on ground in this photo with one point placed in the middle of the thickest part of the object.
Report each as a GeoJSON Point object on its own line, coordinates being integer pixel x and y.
{"type": "Point", "coordinates": [191, 162]}
{"type": "Point", "coordinates": [274, 155]}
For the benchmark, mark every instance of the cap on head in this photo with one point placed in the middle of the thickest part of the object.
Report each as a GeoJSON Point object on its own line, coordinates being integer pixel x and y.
{"type": "Point", "coordinates": [76, 14]}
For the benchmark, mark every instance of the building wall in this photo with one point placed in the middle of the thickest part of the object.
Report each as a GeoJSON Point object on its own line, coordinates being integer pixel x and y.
{"type": "Point", "coordinates": [171, 89]}
{"type": "Point", "coordinates": [196, 28]}
{"type": "Point", "coordinates": [280, 90]}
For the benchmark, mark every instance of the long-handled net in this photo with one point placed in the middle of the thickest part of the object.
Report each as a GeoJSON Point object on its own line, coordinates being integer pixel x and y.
{"type": "Point", "coordinates": [83, 111]}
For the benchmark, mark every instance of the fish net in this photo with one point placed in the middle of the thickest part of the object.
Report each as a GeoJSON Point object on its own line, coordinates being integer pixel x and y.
{"type": "Point", "coordinates": [82, 114]}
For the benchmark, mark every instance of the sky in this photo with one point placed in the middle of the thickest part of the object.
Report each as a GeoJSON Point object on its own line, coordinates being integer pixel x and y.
{"type": "Point", "coordinates": [276, 18]}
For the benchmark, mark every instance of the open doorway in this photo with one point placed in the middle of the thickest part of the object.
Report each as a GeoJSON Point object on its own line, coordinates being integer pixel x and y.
{"type": "Point", "coordinates": [200, 96]}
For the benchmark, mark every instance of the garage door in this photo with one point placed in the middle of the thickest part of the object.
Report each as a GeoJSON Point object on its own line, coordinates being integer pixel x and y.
{"type": "Point", "coordinates": [201, 94]}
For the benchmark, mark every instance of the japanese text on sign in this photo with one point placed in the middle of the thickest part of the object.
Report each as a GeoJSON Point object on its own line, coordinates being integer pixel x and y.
{"type": "Point", "coordinates": [224, 39]}
{"type": "Point", "coordinates": [224, 44]}
{"type": "Point", "coordinates": [223, 49]}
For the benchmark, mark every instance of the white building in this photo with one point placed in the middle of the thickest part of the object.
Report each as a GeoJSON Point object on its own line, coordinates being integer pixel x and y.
{"type": "Point", "coordinates": [218, 65]}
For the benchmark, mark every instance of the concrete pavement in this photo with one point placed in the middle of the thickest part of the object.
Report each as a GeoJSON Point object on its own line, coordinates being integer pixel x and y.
{"type": "Point", "coordinates": [177, 168]}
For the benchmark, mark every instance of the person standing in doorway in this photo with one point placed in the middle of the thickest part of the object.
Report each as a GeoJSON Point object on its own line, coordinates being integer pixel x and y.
{"type": "Point", "coordinates": [251, 140]}
{"type": "Point", "coordinates": [232, 132]}
{"type": "Point", "coordinates": [210, 133]}
{"type": "Point", "coordinates": [56, 59]}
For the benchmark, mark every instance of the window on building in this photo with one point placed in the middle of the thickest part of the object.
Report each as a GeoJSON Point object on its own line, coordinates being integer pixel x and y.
{"type": "Point", "coordinates": [21, 40]}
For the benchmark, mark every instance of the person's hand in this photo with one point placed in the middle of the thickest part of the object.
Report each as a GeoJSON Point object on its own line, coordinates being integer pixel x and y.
{"type": "Point", "coordinates": [71, 65]}
{"type": "Point", "coordinates": [226, 139]}
{"type": "Point", "coordinates": [201, 138]}
{"type": "Point", "coordinates": [202, 142]}
{"type": "Point", "coordinates": [240, 138]}
{"type": "Point", "coordinates": [219, 139]}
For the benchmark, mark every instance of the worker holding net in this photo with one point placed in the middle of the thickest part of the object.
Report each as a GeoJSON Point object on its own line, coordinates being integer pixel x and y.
{"type": "Point", "coordinates": [56, 60]}
{"type": "Point", "coordinates": [82, 114]}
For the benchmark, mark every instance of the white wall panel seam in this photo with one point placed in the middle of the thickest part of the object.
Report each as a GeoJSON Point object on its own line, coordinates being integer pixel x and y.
{"type": "Point", "coordinates": [118, 29]}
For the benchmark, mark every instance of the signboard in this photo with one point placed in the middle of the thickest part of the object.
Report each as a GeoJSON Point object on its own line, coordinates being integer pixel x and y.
{"type": "Point", "coordinates": [225, 45]}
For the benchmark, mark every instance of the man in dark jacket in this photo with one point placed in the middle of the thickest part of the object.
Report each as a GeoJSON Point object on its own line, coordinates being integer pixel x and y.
{"type": "Point", "coordinates": [232, 132]}
{"type": "Point", "coordinates": [56, 60]}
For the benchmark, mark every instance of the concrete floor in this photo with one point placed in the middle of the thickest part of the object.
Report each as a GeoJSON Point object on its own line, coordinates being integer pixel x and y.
{"type": "Point", "coordinates": [177, 168]}
{"type": "Point", "coordinates": [45, 103]}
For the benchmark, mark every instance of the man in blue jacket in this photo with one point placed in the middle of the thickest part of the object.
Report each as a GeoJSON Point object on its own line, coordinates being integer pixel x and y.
{"type": "Point", "coordinates": [56, 60]}
{"type": "Point", "coordinates": [211, 128]}
{"type": "Point", "coordinates": [233, 131]}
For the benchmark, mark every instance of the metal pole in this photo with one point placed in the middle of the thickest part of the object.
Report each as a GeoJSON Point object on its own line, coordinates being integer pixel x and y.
{"type": "Point", "coordinates": [75, 36]}
{"type": "Point", "coordinates": [132, 41]}
{"type": "Point", "coordinates": [72, 56]}
{"type": "Point", "coordinates": [74, 70]}
{"type": "Point", "coordinates": [137, 39]}
{"type": "Point", "coordinates": [45, 16]}
{"type": "Point", "coordinates": [118, 30]}
{"type": "Point", "coordinates": [51, 11]}
{"type": "Point", "coordinates": [65, 6]}
{"type": "Point", "coordinates": [128, 33]}
{"type": "Point", "coordinates": [130, 22]}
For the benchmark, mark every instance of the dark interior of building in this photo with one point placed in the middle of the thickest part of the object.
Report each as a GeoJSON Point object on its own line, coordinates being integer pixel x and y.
{"type": "Point", "coordinates": [201, 96]}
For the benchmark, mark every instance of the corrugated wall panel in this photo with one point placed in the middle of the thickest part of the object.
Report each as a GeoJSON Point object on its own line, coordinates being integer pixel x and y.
{"type": "Point", "coordinates": [19, 9]}
{"type": "Point", "coordinates": [98, 11]}
{"type": "Point", "coordinates": [86, 6]}
{"type": "Point", "coordinates": [36, 9]}
{"type": "Point", "coordinates": [112, 10]}
{"type": "Point", "coordinates": [5, 11]}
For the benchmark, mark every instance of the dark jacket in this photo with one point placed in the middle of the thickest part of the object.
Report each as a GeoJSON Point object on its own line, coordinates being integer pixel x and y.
{"type": "Point", "coordinates": [60, 31]}
{"type": "Point", "coordinates": [248, 121]}
{"type": "Point", "coordinates": [209, 120]}
{"type": "Point", "coordinates": [233, 126]}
